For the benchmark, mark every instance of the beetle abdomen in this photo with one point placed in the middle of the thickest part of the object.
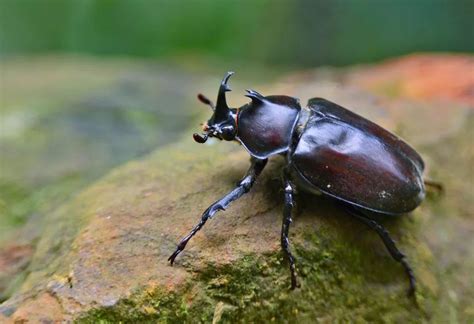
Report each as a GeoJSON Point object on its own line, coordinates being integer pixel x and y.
{"type": "Point", "coordinates": [352, 159]}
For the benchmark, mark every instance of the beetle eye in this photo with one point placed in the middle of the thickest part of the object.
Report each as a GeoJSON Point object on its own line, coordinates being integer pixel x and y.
{"type": "Point", "coordinates": [227, 132]}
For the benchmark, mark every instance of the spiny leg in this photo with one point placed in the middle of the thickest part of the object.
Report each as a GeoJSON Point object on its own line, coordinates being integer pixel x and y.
{"type": "Point", "coordinates": [396, 254]}
{"type": "Point", "coordinates": [242, 187]}
{"type": "Point", "coordinates": [285, 243]}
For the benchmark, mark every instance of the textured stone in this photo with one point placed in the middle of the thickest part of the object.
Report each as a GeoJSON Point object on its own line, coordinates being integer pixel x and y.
{"type": "Point", "coordinates": [102, 256]}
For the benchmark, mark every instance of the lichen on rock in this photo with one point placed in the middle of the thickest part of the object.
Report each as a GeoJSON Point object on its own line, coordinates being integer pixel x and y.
{"type": "Point", "coordinates": [103, 255]}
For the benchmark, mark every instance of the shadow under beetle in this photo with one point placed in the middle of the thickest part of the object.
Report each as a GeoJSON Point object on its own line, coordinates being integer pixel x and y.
{"type": "Point", "coordinates": [328, 150]}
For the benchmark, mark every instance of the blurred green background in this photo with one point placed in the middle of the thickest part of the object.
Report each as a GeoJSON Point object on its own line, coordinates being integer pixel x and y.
{"type": "Point", "coordinates": [282, 32]}
{"type": "Point", "coordinates": [129, 85]}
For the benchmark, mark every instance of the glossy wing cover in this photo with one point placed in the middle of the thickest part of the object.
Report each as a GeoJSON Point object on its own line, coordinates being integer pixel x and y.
{"type": "Point", "coordinates": [352, 159]}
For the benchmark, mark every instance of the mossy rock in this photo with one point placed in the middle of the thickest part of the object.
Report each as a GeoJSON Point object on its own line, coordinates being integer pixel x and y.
{"type": "Point", "coordinates": [103, 255]}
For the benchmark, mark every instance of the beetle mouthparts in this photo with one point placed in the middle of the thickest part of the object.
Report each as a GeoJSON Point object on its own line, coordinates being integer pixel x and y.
{"type": "Point", "coordinates": [200, 139]}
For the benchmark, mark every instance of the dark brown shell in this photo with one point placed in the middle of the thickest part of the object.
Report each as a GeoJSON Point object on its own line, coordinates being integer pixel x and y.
{"type": "Point", "coordinates": [265, 126]}
{"type": "Point", "coordinates": [352, 159]}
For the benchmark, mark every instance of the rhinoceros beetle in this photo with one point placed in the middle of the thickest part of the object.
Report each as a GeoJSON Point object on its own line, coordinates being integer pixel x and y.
{"type": "Point", "coordinates": [328, 150]}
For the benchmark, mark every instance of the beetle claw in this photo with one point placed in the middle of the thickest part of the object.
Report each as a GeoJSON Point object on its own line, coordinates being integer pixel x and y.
{"type": "Point", "coordinates": [295, 284]}
{"type": "Point", "coordinates": [173, 256]}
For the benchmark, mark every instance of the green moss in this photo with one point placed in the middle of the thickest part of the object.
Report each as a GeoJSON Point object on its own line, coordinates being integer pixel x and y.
{"type": "Point", "coordinates": [335, 286]}
{"type": "Point", "coordinates": [13, 204]}
{"type": "Point", "coordinates": [152, 306]}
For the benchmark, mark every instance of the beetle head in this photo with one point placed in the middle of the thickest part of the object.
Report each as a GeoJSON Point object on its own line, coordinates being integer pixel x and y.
{"type": "Point", "coordinates": [222, 123]}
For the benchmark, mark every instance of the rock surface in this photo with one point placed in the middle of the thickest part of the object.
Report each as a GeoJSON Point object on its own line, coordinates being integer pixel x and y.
{"type": "Point", "coordinates": [67, 121]}
{"type": "Point", "coordinates": [102, 256]}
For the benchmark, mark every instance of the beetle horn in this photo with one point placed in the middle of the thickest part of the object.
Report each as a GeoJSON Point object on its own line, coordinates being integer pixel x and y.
{"type": "Point", "coordinates": [254, 95]}
{"type": "Point", "coordinates": [222, 110]}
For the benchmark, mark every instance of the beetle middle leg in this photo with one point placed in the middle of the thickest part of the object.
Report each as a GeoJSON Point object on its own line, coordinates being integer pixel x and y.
{"type": "Point", "coordinates": [396, 254]}
{"type": "Point", "coordinates": [242, 187]}
{"type": "Point", "coordinates": [285, 243]}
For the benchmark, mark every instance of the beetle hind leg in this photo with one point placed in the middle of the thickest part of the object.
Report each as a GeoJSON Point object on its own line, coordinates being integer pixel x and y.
{"type": "Point", "coordinates": [285, 242]}
{"type": "Point", "coordinates": [389, 243]}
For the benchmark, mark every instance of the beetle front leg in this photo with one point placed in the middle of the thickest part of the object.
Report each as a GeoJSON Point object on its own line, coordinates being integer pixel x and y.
{"type": "Point", "coordinates": [285, 242]}
{"type": "Point", "coordinates": [390, 245]}
{"type": "Point", "coordinates": [243, 187]}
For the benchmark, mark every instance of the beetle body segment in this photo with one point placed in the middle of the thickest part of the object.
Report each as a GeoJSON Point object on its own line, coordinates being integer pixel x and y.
{"type": "Point", "coordinates": [354, 160]}
{"type": "Point", "coordinates": [266, 125]}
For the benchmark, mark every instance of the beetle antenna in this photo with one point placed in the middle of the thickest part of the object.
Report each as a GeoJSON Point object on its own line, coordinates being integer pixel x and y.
{"type": "Point", "coordinates": [205, 100]}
